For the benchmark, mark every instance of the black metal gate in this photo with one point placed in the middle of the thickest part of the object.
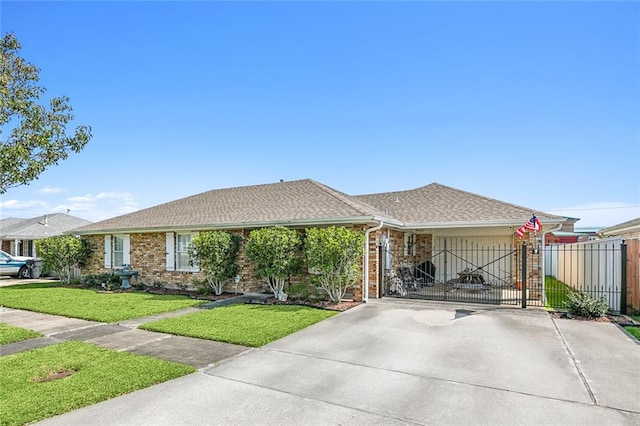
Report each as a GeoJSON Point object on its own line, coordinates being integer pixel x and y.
{"type": "Point", "coordinates": [459, 270]}
{"type": "Point", "coordinates": [469, 270]}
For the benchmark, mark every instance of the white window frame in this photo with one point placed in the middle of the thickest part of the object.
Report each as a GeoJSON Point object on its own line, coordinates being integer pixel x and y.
{"type": "Point", "coordinates": [110, 252]}
{"type": "Point", "coordinates": [181, 250]}
{"type": "Point", "coordinates": [117, 256]}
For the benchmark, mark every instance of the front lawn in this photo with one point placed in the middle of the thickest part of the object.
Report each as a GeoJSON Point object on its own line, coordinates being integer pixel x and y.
{"type": "Point", "coordinates": [45, 382]}
{"type": "Point", "coordinates": [556, 292]}
{"type": "Point", "coordinates": [11, 334]}
{"type": "Point", "coordinates": [247, 325]}
{"type": "Point", "coordinates": [51, 298]}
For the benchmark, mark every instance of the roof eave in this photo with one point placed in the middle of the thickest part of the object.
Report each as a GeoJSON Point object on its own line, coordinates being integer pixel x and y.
{"type": "Point", "coordinates": [474, 224]}
{"type": "Point", "coordinates": [243, 225]}
{"type": "Point", "coordinates": [613, 232]}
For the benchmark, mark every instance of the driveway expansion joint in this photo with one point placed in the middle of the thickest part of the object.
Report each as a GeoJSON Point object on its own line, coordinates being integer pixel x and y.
{"type": "Point", "coordinates": [575, 363]}
{"type": "Point", "coordinates": [71, 330]}
{"type": "Point", "coordinates": [133, 347]}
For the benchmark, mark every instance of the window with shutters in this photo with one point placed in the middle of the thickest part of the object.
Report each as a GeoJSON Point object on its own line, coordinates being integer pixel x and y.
{"type": "Point", "coordinates": [182, 255]}
{"type": "Point", "coordinates": [117, 250]}
{"type": "Point", "coordinates": [117, 246]}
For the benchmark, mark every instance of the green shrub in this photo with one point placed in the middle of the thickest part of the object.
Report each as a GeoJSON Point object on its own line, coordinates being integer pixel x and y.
{"type": "Point", "coordinates": [60, 254]}
{"type": "Point", "coordinates": [581, 304]}
{"type": "Point", "coordinates": [158, 286]}
{"type": "Point", "coordinates": [202, 287]}
{"type": "Point", "coordinates": [139, 285]}
{"type": "Point", "coordinates": [107, 281]}
{"type": "Point", "coordinates": [300, 290]}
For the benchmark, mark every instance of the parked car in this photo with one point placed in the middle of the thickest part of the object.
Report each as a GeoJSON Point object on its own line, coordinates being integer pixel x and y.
{"type": "Point", "coordinates": [18, 266]}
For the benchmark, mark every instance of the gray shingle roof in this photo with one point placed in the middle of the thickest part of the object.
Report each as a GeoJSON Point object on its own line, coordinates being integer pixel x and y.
{"type": "Point", "coordinates": [303, 201]}
{"type": "Point", "coordinates": [308, 202]}
{"type": "Point", "coordinates": [440, 204]}
{"type": "Point", "coordinates": [34, 228]}
{"type": "Point", "coordinates": [628, 226]}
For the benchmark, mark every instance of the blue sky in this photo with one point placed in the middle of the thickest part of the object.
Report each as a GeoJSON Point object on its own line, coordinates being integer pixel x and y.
{"type": "Point", "coordinates": [532, 103]}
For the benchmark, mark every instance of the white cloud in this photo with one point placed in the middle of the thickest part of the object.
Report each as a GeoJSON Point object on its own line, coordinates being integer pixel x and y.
{"type": "Point", "coordinates": [81, 198]}
{"type": "Point", "coordinates": [114, 196]}
{"type": "Point", "coordinates": [98, 207]}
{"type": "Point", "coordinates": [102, 206]}
{"type": "Point", "coordinates": [49, 191]}
{"type": "Point", "coordinates": [19, 205]}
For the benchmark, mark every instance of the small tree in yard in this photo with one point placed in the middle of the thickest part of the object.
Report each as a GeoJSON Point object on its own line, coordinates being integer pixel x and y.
{"type": "Point", "coordinates": [334, 254]}
{"type": "Point", "coordinates": [275, 254]}
{"type": "Point", "coordinates": [215, 253]}
{"type": "Point", "coordinates": [60, 254]}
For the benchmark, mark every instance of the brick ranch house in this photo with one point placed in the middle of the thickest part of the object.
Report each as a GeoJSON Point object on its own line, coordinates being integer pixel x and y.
{"type": "Point", "coordinates": [154, 240]}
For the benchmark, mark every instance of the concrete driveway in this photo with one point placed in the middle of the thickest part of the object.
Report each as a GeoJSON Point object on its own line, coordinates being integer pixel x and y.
{"type": "Point", "coordinates": [405, 362]}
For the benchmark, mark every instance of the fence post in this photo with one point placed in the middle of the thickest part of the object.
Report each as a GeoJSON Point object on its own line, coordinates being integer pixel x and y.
{"type": "Point", "coordinates": [524, 275]}
{"type": "Point", "coordinates": [623, 278]}
{"type": "Point", "coordinates": [381, 265]}
{"type": "Point", "coordinates": [445, 268]}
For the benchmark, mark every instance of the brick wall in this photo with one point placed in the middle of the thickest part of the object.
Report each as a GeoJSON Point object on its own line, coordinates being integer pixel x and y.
{"type": "Point", "coordinates": [148, 257]}
{"type": "Point", "coordinates": [534, 263]}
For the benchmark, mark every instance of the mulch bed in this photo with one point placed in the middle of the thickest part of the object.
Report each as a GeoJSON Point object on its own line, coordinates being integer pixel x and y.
{"type": "Point", "coordinates": [192, 294]}
{"type": "Point", "coordinates": [330, 306]}
{"type": "Point", "coordinates": [340, 307]}
{"type": "Point", "coordinates": [616, 319]}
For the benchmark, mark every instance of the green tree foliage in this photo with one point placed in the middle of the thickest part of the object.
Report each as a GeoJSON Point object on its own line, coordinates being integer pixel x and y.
{"type": "Point", "coordinates": [216, 254]}
{"type": "Point", "coordinates": [334, 254]}
{"type": "Point", "coordinates": [276, 254]}
{"type": "Point", "coordinates": [37, 137]}
{"type": "Point", "coordinates": [62, 253]}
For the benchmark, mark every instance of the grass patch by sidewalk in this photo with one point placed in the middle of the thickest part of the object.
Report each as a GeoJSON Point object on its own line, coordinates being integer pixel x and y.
{"type": "Point", "coordinates": [634, 331]}
{"type": "Point", "coordinates": [556, 292]}
{"type": "Point", "coordinates": [51, 298]}
{"type": "Point", "coordinates": [45, 382]}
{"type": "Point", "coordinates": [247, 325]}
{"type": "Point", "coordinates": [11, 334]}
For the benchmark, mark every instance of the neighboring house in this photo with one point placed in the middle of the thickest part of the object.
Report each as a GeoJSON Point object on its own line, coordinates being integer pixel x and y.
{"type": "Point", "coordinates": [571, 237]}
{"type": "Point", "coordinates": [629, 231]}
{"type": "Point", "coordinates": [17, 236]}
{"type": "Point", "coordinates": [410, 224]}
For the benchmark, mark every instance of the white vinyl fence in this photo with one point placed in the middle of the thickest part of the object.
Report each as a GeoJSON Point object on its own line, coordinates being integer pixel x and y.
{"type": "Point", "coordinates": [592, 266]}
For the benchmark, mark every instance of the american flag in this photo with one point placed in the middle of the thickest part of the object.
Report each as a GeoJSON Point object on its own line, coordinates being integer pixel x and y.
{"type": "Point", "coordinates": [532, 224]}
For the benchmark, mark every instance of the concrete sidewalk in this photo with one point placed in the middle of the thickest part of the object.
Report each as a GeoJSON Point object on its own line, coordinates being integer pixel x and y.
{"type": "Point", "coordinates": [123, 336]}
{"type": "Point", "coordinates": [405, 362]}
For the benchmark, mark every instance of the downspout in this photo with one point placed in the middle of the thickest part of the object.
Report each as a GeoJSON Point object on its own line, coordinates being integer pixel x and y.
{"type": "Point", "coordinates": [544, 237]}
{"type": "Point", "coordinates": [365, 282]}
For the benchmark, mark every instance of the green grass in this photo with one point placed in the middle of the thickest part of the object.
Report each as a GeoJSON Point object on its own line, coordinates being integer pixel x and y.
{"type": "Point", "coordinates": [98, 374]}
{"type": "Point", "coordinates": [50, 298]}
{"type": "Point", "coordinates": [634, 331]}
{"type": "Point", "coordinates": [11, 334]}
{"type": "Point", "coordinates": [556, 292]}
{"type": "Point", "coordinates": [247, 325]}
